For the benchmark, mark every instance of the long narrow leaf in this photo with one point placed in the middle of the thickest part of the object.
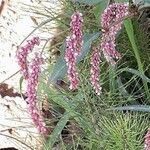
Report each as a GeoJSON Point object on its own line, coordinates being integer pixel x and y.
{"type": "Point", "coordinates": [137, 73]}
{"type": "Point", "coordinates": [57, 131]}
{"type": "Point", "coordinates": [88, 2]}
{"type": "Point", "coordinates": [99, 8]}
{"type": "Point", "coordinates": [142, 108]}
{"type": "Point", "coordinates": [58, 98]}
{"type": "Point", "coordinates": [20, 84]}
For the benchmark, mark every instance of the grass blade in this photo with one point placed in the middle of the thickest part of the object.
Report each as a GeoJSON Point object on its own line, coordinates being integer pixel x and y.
{"type": "Point", "coordinates": [142, 108]}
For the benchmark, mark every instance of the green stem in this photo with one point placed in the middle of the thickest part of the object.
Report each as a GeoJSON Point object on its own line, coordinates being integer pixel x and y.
{"type": "Point", "coordinates": [130, 31]}
{"type": "Point", "coordinates": [112, 81]}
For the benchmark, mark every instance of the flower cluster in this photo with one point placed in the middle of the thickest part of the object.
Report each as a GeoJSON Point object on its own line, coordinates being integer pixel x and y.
{"type": "Point", "coordinates": [73, 48]}
{"type": "Point", "coordinates": [95, 70]}
{"type": "Point", "coordinates": [147, 140]}
{"type": "Point", "coordinates": [22, 54]}
{"type": "Point", "coordinates": [70, 57]}
{"type": "Point", "coordinates": [111, 21]}
{"type": "Point", "coordinates": [32, 83]}
{"type": "Point", "coordinates": [30, 72]}
{"type": "Point", "coordinates": [76, 30]}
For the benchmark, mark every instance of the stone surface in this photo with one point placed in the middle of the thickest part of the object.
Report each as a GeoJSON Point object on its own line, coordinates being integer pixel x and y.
{"type": "Point", "coordinates": [16, 127]}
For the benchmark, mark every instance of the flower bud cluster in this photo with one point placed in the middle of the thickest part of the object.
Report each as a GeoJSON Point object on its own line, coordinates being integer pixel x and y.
{"type": "Point", "coordinates": [76, 30]}
{"type": "Point", "coordinates": [111, 21]}
{"type": "Point", "coordinates": [32, 83]}
{"type": "Point", "coordinates": [30, 72]}
{"type": "Point", "coordinates": [73, 48]}
{"type": "Point", "coordinates": [95, 70]}
{"type": "Point", "coordinates": [70, 57]}
{"type": "Point", "coordinates": [22, 54]}
{"type": "Point", "coordinates": [147, 140]}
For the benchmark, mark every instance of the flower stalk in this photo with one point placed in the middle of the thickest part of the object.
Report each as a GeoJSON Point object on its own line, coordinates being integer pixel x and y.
{"type": "Point", "coordinates": [111, 21]}
{"type": "Point", "coordinates": [73, 48]}
{"type": "Point", "coordinates": [31, 72]}
{"type": "Point", "coordinates": [22, 54]}
{"type": "Point", "coordinates": [95, 70]}
{"type": "Point", "coordinates": [32, 83]}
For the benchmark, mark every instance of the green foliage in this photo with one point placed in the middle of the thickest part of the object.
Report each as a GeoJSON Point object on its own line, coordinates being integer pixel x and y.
{"type": "Point", "coordinates": [123, 132]}
{"type": "Point", "coordinates": [102, 129]}
{"type": "Point", "coordinates": [147, 1]}
{"type": "Point", "coordinates": [99, 8]}
{"type": "Point", "coordinates": [20, 84]}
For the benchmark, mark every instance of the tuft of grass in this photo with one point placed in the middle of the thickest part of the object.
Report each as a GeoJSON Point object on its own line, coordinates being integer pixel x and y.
{"type": "Point", "coordinates": [124, 132]}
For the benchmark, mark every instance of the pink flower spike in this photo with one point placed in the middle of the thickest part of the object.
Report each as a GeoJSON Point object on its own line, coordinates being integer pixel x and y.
{"type": "Point", "coordinates": [70, 57]}
{"type": "Point", "coordinates": [73, 47]}
{"type": "Point", "coordinates": [95, 70]}
{"type": "Point", "coordinates": [22, 54]}
{"type": "Point", "coordinates": [32, 83]}
{"type": "Point", "coordinates": [76, 30]}
{"type": "Point", "coordinates": [111, 21]}
{"type": "Point", "coordinates": [147, 140]}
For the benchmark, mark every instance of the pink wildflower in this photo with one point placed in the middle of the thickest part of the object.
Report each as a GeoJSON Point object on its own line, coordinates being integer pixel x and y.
{"type": "Point", "coordinates": [95, 61]}
{"type": "Point", "coordinates": [32, 83]}
{"type": "Point", "coordinates": [147, 140]}
{"type": "Point", "coordinates": [31, 74]}
{"type": "Point", "coordinates": [22, 54]}
{"type": "Point", "coordinates": [76, 30]}
{"type": "Point", "coordinates": [111, 22]}
{"type": "Point", "coordinates": [70, 57]}
{"type": "Point", "coordinates": [73, 48]}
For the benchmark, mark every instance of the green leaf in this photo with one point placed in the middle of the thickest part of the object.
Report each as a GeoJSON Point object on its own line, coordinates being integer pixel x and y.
{"type": "Point", "coordinates": [121, 1]}
{"type": "Point", "coordinates": [57, 131]}
{"type": "Point", "coordinates": [122, 89]}
{"type": "Point", "coordinates": [84, 123]}
{"type": "Point", "coordinates": [142, 108]}
{"type": "Point", "coordinates": [99, 8]}
{"type": "Point", "coordinates": [59, 70]}
{"type": "Point", "coordinates": [20, 84]}
{"type": "Point", "coordinates": [89, 2]}
{"type": "Point", "coordinates": [60, 67]}
{"type": "Point", "coordinates": [147, 1]}
{"type": "Point", "coordinates": [137, 73]}
{"type": "Point", "coordinates": [87, 41]}
{"type": "Point", "coordinates": [112, 80]}
{"type": "Point", "coordinates": [124, 92]}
